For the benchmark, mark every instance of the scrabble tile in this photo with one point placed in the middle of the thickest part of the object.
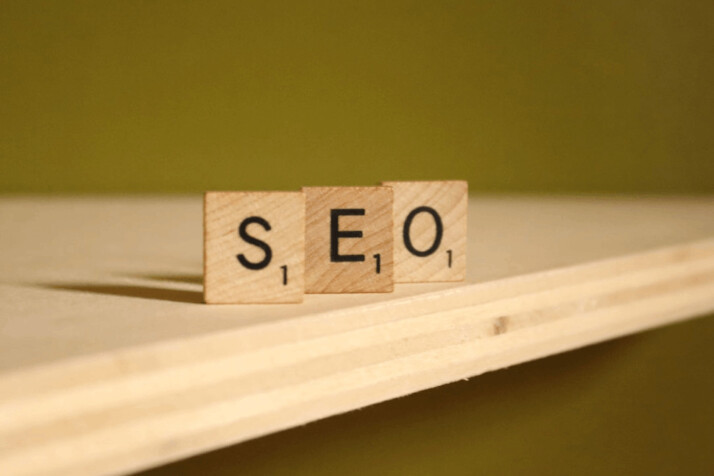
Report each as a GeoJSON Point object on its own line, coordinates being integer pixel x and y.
{"type": "Point", "coordinates": [348, 240]}
{"type": "Point", "coordinates": [429, 231]}
{"type": "Point", "coordinates": [254, 247]}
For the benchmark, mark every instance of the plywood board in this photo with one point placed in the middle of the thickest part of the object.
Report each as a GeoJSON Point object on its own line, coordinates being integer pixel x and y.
{"type": "Point", "coordinates": [109, 361]}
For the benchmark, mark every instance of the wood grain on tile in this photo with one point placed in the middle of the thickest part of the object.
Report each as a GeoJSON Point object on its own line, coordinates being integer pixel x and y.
{"type": "Point", "coordinates": [254, 247]}
{"type": "Point", "coordinates": [430, 231]}
{"type": "Point", "coordinates": [348, 240]}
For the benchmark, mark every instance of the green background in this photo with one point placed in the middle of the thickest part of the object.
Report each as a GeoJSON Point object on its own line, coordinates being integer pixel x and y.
{"type": "Point", "coordinates": [513, 96]}
{"type": "Point", "coordinates": [543, 96]}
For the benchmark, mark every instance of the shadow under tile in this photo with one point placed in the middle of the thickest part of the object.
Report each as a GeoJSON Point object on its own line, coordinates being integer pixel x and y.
{"type": "Point", "coordinates": [134, 291]}
{"type": "Point", "coordinates": [189, 278]}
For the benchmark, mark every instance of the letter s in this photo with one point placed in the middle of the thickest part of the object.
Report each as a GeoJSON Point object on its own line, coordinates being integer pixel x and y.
{"type": "Point", "coordinates": [243, 233]}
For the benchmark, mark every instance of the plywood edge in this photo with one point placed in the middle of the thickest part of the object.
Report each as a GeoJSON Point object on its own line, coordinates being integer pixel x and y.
{"type": "Point", "coordinates": [157, 356]}
{"type": "Point", "coordinates": [202, 393]}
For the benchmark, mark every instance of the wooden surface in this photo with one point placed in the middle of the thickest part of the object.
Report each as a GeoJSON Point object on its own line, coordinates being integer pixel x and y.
{"type": "Point", "coordinates": [254, 247]}
{"type": "Point", "coordinates": [361, 258]}
{"type": "Point", "coordinates": [438, 249]}
{"type": "Point", "coordinates": [109, 363]}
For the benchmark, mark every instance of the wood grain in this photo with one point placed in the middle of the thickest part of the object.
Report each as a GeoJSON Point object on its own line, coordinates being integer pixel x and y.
{"type": "Point", "coordinates": [362, 260]}
{"type": "Point", "coordinates": [272, 274]}
{"type": "Point", "coordinates": [430, 218]}
{"type": "Point", "coordinates": [109, 362]}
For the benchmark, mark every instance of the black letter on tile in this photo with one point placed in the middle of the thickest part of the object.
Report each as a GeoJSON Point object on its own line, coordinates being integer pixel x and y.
{"type": "Point", "coordinates": [336, 234]}
{"type": "Point", "coordinates": [437, 238]}
{"type": "Point", "coordinates": [243, 233]}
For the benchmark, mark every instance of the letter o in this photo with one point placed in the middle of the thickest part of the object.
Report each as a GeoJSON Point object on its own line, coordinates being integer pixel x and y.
{"type": "Point", "coordinates": [437, 239]}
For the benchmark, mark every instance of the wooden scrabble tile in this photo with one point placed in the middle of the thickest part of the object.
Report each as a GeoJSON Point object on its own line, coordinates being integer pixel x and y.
{"type": "Point", "coordinates": [348, 240]}
{"type": "Point", "coordinates": [254, 247]}
{"type": "Point", "coordinates": [429, 231]}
